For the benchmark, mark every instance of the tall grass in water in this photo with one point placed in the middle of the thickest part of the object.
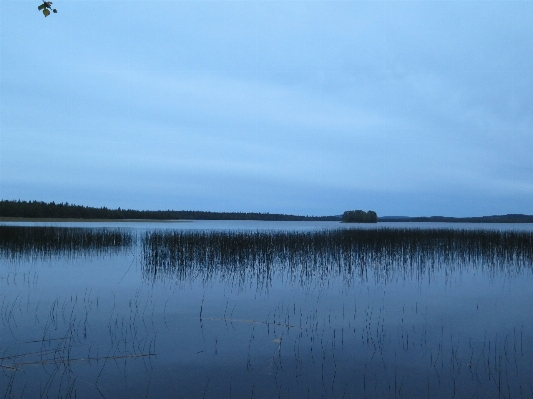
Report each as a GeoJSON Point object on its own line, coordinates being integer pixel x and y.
{"type": "Point", "coordinates": [382, 253]}
{"type": "Point", "coordinates": [369, 341]}
{"type": "Point", "coordinates": [68, 345]}
{"type": "Point", "coordinates": [19, 242]}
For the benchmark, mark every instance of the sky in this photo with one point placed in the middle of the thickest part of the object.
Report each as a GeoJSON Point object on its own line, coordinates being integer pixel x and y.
{"type": "Point", "coordinates": [413, 108]}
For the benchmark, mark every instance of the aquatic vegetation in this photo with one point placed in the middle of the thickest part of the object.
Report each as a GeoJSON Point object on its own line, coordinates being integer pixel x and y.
{"type": "Point", "coordinates": [382, 253]}
{"type": "Point", "coordinates": [389, 313]}
{"type": "Point", "coordinates": [70, 338]}
{"type": "Point", "coordinates": [27, 242]}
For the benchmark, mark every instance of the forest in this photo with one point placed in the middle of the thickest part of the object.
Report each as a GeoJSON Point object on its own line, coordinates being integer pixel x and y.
{"type": "Point", "coordinates": [359, 216]}
{"type": "Point", "coordinates": [39, 209]}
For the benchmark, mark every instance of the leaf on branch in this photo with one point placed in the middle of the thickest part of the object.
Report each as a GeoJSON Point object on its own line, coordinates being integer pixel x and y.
{"type": "Point", "coordinates": [46, 7]}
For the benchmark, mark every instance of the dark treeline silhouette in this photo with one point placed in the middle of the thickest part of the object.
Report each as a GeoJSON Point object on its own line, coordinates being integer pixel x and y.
{"type": "Point", "coordinates": [354, 253]}
{"type": "Point", "coordinates": [36, 209]}
{"type": "Point", "coordinates": [359, 217]}
{"type": "Point", "coordinates": [509, 218]}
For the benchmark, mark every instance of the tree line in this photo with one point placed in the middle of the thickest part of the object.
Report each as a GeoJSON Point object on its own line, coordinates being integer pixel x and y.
{"type": "Point", "coordinates": [509, 218]}
{"type": "Point", "coordinates": [359, 216]}
{"type": "Point", "coordinates": [39, 209]}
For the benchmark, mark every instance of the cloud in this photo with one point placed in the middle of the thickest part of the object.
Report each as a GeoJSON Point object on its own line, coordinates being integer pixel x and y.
{"type": "Point", "coordinates": [301, 103]}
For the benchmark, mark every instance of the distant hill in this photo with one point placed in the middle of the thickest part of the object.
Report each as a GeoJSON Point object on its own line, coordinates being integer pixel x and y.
{"type": "Point", "coordinates": [509, 218]}
{"type": "Point", "coordinates": [36, 209]}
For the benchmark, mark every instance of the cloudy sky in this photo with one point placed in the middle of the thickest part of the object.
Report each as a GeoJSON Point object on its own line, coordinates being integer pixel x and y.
{"type": "Point", "coordinates": [305, 107]}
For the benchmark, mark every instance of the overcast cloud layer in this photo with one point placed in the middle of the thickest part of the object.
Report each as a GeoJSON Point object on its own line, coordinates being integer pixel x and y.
{"type": "Point", "coordinates": [307, 107]}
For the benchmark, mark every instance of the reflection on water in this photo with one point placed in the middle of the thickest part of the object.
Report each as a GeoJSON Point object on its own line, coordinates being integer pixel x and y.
{"type": "Point", "coordinates": [17, 241]}
{"type": "Point", "coordinates": [347, 313]}
{"type": "Point", "coordinates": [306, 256]}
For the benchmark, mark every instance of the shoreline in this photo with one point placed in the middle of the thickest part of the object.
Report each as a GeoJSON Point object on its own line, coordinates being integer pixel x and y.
{"type": "Point", "coordinates": [82, 220]}
{"type": "Point", "coordinates": [21, 219]}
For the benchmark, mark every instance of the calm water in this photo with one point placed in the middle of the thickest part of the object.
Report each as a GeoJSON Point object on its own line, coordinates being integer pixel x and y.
{"type": "Point", "coordinates": [266, 310]}
{"type": "Point", "coordinates": [266, 225]}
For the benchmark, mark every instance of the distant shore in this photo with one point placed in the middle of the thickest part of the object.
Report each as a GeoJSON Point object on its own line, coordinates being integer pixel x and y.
{"type": "Point", "coordinates": [35, 211]}
{"type": "Point", "coordinates": [42, 210]}
{"type": "Point", "coordinates": [484, 220]}
{"type": "Point", "coordinates": [509, 218]}
{"type": "Point", "coordinates": [16, 219]}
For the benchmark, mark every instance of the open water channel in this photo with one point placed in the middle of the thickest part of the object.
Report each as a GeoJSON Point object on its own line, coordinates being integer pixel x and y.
{"type": "Point", "coordinates": [265, 310]}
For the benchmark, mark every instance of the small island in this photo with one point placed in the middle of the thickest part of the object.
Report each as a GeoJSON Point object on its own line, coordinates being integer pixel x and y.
{"type": "Point", "coordinates": [359, 216]}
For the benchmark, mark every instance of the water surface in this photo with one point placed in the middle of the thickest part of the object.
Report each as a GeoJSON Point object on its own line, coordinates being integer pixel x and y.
{"type": "Point", "coordinates": [265, 309]}
{"type": "Point", "coordinates": [273, 225]}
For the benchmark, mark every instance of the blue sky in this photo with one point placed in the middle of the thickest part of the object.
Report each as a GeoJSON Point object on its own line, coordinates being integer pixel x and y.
{"type": "Point", "coordinates": [305, 107]}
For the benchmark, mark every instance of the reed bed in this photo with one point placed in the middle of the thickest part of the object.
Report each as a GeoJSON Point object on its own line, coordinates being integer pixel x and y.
{"type": "Point", "coordinates": [138, 340]}
{"type": "Point", "coordinates": [20, 242]}
{"type": "Point", "coordinates": [382, 253]}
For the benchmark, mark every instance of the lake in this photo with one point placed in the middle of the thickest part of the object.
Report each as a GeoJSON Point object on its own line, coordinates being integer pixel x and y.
{"type": "Point", "coordinates": [247, 309]}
